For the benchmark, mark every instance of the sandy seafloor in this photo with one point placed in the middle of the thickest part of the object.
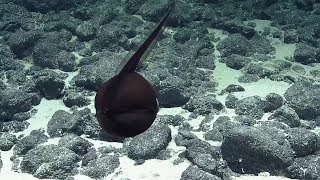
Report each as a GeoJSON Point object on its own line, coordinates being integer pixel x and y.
{"type": "Point", "coordinates": [165, 169]}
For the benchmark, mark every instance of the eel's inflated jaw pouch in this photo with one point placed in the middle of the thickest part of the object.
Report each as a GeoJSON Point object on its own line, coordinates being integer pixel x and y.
{"type": "Point", "coordinates": [126, 105]}
{"type": "Point", "coordinates": [130, 110]}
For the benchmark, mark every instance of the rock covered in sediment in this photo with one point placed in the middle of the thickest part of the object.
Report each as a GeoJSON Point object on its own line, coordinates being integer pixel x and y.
{"type": "Point", "coordinates": [253, 150]}
{"type": "Point", "coordinates": [303, 97]}
{"type": "Point", "coordinates": [148, 144]}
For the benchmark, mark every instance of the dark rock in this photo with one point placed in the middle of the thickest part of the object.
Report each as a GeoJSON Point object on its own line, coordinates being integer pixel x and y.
{"type": "Point", "coordinates": [151, 13]}
{"type": "Point", "coordinates": [231, 101]}
{"type": "Point", "coordinates": [197, 147]}
{"type": "Point", "coordinates": [66, 61]}
{"type": "Point", "coordinates": [51, 161]}
{"type": "Point", "coordinates": [29, 142]}
{"type": "Point", "coordinates": [63, 122]}
{"type": "Point", "coordinates": [306, 5]}
{"type": "Point", "coordinates": [185, 138]}
{"type": "Point", "coordinates": [315, 73]}
{"type": "Point", "coordinates": [273, 102]}
{"type": "Point", "coordinates": [203, 105]}
{"type": "Point", "coordinates": [308, 124]}
{"type": "Point", "coordinates": [194, 49]}
{"type": "Point", "coordinates": [13, 126]}
{"type": "Point", "coordinates": [206, 157]}
{"type": "Point", "coordinates": [15, 77]}
{"type": "Point", "coordinates": [194, 173]}
{"type": "Point", "coordinates": [245, 120]}
{"type": "Point", "coordinates": [86, 31]}
{"type": "Point", "coordinates": [290, 36]}
{"type": "Point", "coordinates": [214, 135]}
{"type": "Point", "coordinates": [116, 34]}
{"type": "Point", "coordinates": [108, 149]}
{"type": "Point", "coordinates": [75, 143]}
{"type": "Point", "coordinates": [286, 115]}
{"type": "Point", "coordinates": [273, 124]}
{"type": "Point", "coordinates": [248, 78]}
{"type": "Point", "coordinates": [75, 99]}
{"type": "Point", "coordinates": [13, 17]}
{"type": "Point", "coordinates": [107, 13]}
{"type": "Point", "coordinates": [206, 62]}
{"type": "Point", "coordinates": [21, 42]}
{"type": "Point", "coordinates": [303, 141]}
{"type": "Point", "coordinates": [204, 161]}
{"type": "Point", "coordinates": [224, 124]}
{"type": "Point", "coordinates": [49, 84]}
{"type": "Point", "coordinates": [7, 63]}
{"type": "Point", "coordinates": [171, 92]}
{"type": "Point", "coordinates": [261, 45]}
{"type": "Point", "coordinates": [305, 168]}
{"type": "Point", "coordinates": [237, 26]}
{"type": "Point", "coordinates": [5, 50]}
{"type": "Point", "coordinates": [303, 97]}
{"type": "Point", "coordinates": [148, 144]}
{"type": "Point", "coordinates": [259, 69]}
{"type": "Point", "coordinates": [252, 106]}
{"type": "Point", "coordinates": [132, 6]}
{"type": "Point", "coordinates": [93, 75]}
{"type": "Point", "coordinates": [235, 44]}
{"type": "Point", "coordinates": [49, 5]}
{"type": "Point", "coordinates": [183, 35]}
{"type": "Point", "coordinates": [23, 116]}
{"type": "Point", "coordinates": [88, 60]}
{"type": "Point", "coordinates": [58, 38]}
{"type": "Point", "coordinates": [164, 155]}
{"type": "Point", "coordinates": [182, 15]}
{"type": "Point", "coordinates": [175, 120]}
{"type": "Point", "coordinates": [234, 88]}
{"type": "Point", "coordinates": [13, 101]}
{"type": "Point", "coordinates": [101, 167]}
{"type": "Point", "coordinates": [90, 125]}
{"type": "Point", "coordinates": [91, 155]}
{"type": "Point", "coordinates": [7, 141]}
{"type": "Point", "coordinates": [45, 55]}
{"type": "Point", "coordinates": [256, 150]}
{"type": "Point", "coordinates": [306, 54]}
{"type": "Point", "coordinates": [82, 13]}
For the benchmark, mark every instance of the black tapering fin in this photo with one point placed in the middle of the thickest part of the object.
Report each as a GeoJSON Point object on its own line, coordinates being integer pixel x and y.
{"type": "Point", "coordinates": [131, 60]}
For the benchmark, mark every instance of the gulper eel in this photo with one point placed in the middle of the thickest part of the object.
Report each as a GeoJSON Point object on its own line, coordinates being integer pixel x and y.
{"type": "Point", "coordinates": [126, 105]}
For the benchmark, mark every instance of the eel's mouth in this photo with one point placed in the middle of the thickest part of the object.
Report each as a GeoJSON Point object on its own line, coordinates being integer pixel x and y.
{"type": "Point", "coordinates": [127, 123]}
{"type": "Point", "coordinates": [129, 110]}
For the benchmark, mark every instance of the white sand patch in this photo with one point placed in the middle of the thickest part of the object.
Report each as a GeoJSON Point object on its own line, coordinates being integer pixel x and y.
{"type": "Point", "coordinates": [45, 110]}
{"type": "Point", "coordinates": [248, 177]}
{"type": "Point", "coordinates": [316, 130]}
{"type": "Point", "coordinates": [226, 76]}
{"type": "Point", "coordinates": [71, 75]}
{"type": "Point", "coordinates": [283, 50]}
{"type": "Point", "coordinates": [6, 172]}
{"type": "Point", "coordinates": [174, 111]}
{"type": "Point", "coordinates": [153, 169]}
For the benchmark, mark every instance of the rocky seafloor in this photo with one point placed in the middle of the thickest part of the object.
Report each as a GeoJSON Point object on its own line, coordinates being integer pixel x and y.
{"type": "Point", "coordinates": [237, 83]}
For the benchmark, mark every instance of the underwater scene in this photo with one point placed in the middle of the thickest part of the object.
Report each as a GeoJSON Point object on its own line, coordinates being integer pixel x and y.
{"type": "Point", "coordinates": [160, 89]}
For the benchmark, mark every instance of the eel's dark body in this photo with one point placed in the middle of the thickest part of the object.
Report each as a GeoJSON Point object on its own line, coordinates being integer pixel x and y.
{"type": "Point", "coordinates": [126, 105]}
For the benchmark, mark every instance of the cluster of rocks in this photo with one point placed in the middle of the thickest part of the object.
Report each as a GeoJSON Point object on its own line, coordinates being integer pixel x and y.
{"type": "Point", "coordinates": [45, 33]}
